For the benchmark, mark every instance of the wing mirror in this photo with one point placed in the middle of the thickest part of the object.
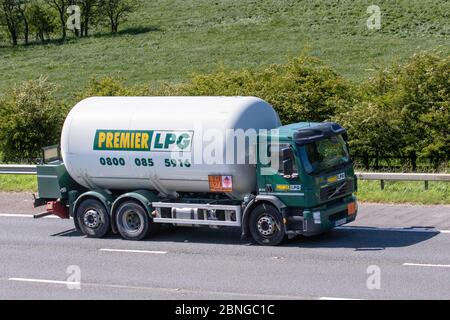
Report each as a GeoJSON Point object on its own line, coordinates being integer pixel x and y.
{"type": "Point", "coordinates": [288, 164]}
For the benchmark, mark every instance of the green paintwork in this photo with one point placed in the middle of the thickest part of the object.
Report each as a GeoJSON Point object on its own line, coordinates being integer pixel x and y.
{"type": "Point", "coordinates": [106, 198]}
{"type": "Point", "coordinates": [309, 194]}
{"type": "Point", "coordinates": [285, 132]}
{"type": "Point", "coordinates": [144, 197]}
{"type": "Point", "coordinates": [326, 212]}
{"type": "Point", "coordinates": [54, 181]}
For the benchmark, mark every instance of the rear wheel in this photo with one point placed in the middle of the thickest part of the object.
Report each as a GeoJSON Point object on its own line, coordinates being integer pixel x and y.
{"type": "Point", "coordinates": [266, 225]}
{"type": "Point", "coordinates": [93, 218]}
{"type": "Point", "coordinates": [133, 222]}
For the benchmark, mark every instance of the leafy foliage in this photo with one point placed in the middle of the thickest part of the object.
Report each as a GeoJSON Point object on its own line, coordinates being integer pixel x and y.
{"type": "Point", "coordinates": [31, 119]}
{"type": "Point", "coordinates": [42, 20]}
{"type": "Point", "coordinates": [404, 112]}
{"type": "Point", "coordinates": [107, 86]}
{"type": "Point", "coordinates": [304, 89]}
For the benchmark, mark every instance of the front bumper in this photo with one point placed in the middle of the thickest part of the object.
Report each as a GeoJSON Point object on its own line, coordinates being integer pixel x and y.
{"type": "Point", "coordinates": [320, 219]}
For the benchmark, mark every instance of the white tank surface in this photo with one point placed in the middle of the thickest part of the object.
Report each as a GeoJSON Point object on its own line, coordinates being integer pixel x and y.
{"type": "Point", "coordinates": [154, 143]}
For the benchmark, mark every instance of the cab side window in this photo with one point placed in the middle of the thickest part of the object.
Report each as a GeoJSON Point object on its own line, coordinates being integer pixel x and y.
{"type": "Point", "coordinates": [285, 165]}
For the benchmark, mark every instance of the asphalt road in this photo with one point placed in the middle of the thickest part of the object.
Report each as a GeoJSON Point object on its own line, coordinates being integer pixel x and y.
{"type": "Point", "coordinates": [406, 246]}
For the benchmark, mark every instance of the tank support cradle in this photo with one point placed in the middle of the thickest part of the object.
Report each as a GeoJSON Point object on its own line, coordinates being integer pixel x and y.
{"type": "Point", "coordinates": [236, 222]}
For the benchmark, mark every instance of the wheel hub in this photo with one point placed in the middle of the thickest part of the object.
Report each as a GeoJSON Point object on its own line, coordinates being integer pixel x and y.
{"type": "Point", "coordinates": [92, 218]}
{"type": "Point", "coordinates": [266, 225]}
{"type": "Point", "coordinates": [132, 221]}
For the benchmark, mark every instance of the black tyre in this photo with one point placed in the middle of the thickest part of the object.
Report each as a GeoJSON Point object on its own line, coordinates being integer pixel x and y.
{"type": "Point", "coordinates": [93, 218]}
{"type": "Point", "coordinates": [266, 225]}
{"type": "Point", "coordinates": [133, 222]}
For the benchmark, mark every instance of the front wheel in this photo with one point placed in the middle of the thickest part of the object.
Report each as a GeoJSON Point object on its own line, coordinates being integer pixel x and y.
{"type": "Point", "coordinates": [266, 225]}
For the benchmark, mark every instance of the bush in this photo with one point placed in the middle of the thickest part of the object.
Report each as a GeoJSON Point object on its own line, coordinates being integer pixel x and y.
{"type": "Point", "coordinates": [115, 86]}
{"type": "Point", "coordinates": [31, 119]}
{"type": "Point", "coordinates": [107, 86]}
{"type": "Point", "coordinates": [304, 89]}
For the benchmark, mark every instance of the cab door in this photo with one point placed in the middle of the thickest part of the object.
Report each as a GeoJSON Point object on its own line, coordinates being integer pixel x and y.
{"type": "Point", "coordinates": [279, 176]}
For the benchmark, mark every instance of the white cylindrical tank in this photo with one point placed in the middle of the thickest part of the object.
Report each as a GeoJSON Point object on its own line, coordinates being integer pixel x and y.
{"type": "Point", "coordinates": [166, 144]}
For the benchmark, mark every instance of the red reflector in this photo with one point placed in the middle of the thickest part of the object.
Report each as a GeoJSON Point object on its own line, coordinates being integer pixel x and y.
{"type": "Point", "coordinates": [57, 209]}
{"type": "Point", "coordinates": [351, 208]}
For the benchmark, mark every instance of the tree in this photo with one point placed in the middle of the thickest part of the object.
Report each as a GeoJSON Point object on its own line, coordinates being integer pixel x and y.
{"type": "Point", "coordinates": [373, 129]}
{"type": "Point", "coordinates": [42, 20]}
{"type": "Point", "coordinates": [422, 93]}
{"type": "Point", "coordinates": [61, 7]}
{"type": "Point", "coordinates": [403, 112]}
{"type": "Point", "coordinates": [88, 13]}
{"type": "Point", "coordinates": [117, 11]}
{"type": "Point", "coordinates": [22, 6]}
{"type": "Point", "coordinates": [11, 17]}
{"type": "Point", "coordinates": [31, 119]}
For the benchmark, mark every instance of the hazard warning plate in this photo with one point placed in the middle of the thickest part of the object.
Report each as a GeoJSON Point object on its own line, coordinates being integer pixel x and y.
{"type": "Point", "coordinates": [220, 183]}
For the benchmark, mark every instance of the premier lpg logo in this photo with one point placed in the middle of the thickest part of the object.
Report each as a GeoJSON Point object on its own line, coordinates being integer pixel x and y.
{"type": "Point", "coordinates": [143, 140]}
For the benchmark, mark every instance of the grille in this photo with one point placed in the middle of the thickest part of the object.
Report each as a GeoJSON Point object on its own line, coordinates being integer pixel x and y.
{"type": "Point", "coordinates": [328, 193]}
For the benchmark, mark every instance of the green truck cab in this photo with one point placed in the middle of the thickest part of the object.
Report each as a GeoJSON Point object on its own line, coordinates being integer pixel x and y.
{"type": "Point", "coordinates": [315, 180]}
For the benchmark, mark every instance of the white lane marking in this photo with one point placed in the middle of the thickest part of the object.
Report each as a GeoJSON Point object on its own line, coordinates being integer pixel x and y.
{"type": "Point", "coordinates": [163, 289]}
{"type": "Point", "coordinates": [336, 298]}
{"type": "Point", "coordinates": [395, 229]}
{"type": "Point", "coordinates": [44, 281]}
{"type": "Point", "coordinates": [427, 265]}
{"type": "Point", "coordinates": [133, 251]}
{"type": "Point", "coordinates": [18, 215]}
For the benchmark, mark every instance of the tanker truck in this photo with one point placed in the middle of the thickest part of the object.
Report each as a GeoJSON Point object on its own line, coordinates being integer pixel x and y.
{"type": "Point", "coordinates": [129, 165]}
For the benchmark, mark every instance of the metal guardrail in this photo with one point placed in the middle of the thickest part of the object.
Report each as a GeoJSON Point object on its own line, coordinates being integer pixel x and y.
{"type": "Point", "coordinates": [17, 169]}
{"type": "Point", "coordinates": [387, 176]}
{"type": "Point", "coordinates": [403, 176]}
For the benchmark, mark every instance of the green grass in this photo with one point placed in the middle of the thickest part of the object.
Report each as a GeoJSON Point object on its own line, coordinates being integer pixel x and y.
{"type": "Point", "coordinates": [404, 192]}
{"type": "Point", "coordinates": [18, 183]}
{"type": "Point", "coordinates": [169, 40]}
{"type": "Point", "coordinates": [369, 191]}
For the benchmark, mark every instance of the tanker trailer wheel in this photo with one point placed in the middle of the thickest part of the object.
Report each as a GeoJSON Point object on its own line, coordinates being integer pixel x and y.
{"type": "Point", "coordinates": [133, 222]}
{"type": "Point", "coordinates": [266, 225]}
{"type": "Point", "coordinates": [93, 218]}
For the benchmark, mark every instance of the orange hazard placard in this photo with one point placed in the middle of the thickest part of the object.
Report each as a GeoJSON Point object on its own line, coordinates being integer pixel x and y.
{"type": "Point", "coordinates": [220, 183]}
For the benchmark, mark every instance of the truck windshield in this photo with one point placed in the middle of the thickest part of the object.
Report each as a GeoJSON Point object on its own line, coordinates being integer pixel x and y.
{"type": "Point", "coordinates": [325, 155]}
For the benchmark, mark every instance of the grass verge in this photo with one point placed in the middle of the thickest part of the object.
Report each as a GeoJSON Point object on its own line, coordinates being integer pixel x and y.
{"type": "Point", "coordinates": [404, 192]}
{"type": "Point", "coordinates": [17, 183]}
